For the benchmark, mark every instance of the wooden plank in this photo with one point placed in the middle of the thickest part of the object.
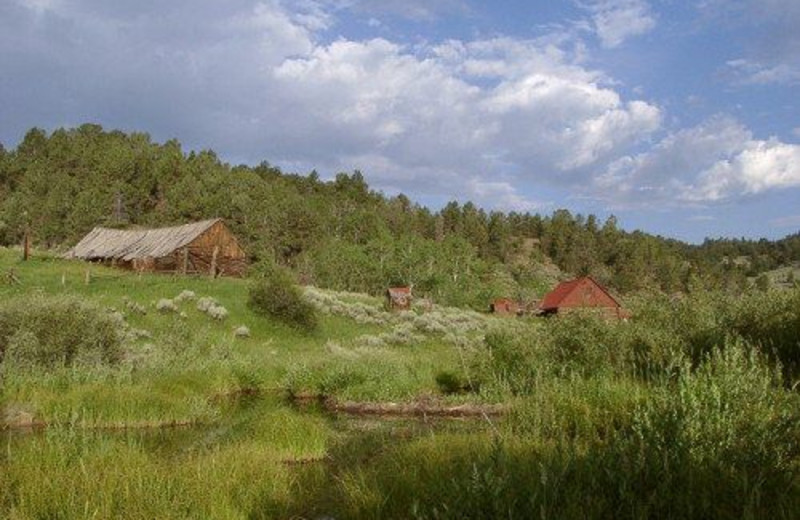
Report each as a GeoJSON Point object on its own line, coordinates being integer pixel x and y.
{"type": "Point", "coordinates": [213, 271]}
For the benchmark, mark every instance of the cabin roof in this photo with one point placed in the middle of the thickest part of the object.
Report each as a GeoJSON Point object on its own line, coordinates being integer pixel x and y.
{"type": "Point", "coordinates": [555, 298]}
{"type": "Point", "coordinates": [128, 245]}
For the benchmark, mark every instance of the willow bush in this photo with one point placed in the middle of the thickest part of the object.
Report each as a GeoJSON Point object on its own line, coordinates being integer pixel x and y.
{"type": "Point", "coordinates": [51, 331]}
{"type": "Point", "coordinates": [274, 294]}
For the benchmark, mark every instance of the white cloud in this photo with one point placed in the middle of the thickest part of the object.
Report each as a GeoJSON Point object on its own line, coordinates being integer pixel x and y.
{"type": "Point", "coordinates": [531, 108]}
{"type": "Point", "coordinates": [483, 118]}
{"type": "Point", "coordinates": [759, 166]}
{"type": "Point", "coordinates": [714, 161]}
{"type": "Point", "coordinates": [486, 119]}
{"type": "Point", "coordinates": [615, 21]}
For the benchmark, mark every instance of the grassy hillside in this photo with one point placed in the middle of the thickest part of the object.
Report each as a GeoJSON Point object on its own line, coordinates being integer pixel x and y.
{"type": "Point", "coordinates": [123, 399]}
{"type": "Point", "coordinates": [177, 364]}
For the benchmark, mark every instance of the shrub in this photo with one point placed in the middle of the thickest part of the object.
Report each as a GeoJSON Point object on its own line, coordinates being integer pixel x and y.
{"type": "Point", "coordinates": [205, 303]}
{"type": "Point", "coordinates": [164, 306]}
{"type": "Point", "coordinates": [511, 361]}
{"type": "Point", "coordinates": [241, 331]}
{"type": "Point", "coordinates": [57, 331]}
{"type": "Point", "coordinates": [185, 295]}
{"type": "Point", "coordinates": [135, 307]}
{"type": "Point", "coordinates": [217, 312]}
{"type": "Point", "coordinates": [274, 294]}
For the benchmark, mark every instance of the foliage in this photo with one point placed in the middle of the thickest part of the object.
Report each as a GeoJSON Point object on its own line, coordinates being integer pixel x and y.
{"type": "Point", "coordinates": [57, 331]}
{"type": "Point", "coordinates": [274, 294]}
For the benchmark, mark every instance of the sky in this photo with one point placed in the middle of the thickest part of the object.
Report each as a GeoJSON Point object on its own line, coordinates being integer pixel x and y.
{"type": "Point", "coordinates": [680, 117]}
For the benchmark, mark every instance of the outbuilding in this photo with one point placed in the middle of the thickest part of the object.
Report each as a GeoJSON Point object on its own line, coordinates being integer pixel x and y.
{"type": "Point", "coordinates": [206, 247]}
{"type": "Point", "coordinates": [505, 306]}
{"type": "Point", "coordinates": [398, 298]}
{"type": "Point", "coordinates": [581, 293]}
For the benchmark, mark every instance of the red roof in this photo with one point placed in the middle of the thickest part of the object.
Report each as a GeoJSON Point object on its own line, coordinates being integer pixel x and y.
{"type": "Point", "coordinates": [578, 293]}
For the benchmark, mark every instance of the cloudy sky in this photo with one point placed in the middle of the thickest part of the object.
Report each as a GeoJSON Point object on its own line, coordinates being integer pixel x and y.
{"type": "Point", "coordinates": [681, 117]}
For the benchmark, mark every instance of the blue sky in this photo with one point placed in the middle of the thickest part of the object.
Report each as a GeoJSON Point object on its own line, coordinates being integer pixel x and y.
{"type": "Point", "coordinates": [681, 117]}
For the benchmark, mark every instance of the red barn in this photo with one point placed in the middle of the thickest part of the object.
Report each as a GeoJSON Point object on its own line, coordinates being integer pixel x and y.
{"type": "Point", "coordinates": [581, 293]}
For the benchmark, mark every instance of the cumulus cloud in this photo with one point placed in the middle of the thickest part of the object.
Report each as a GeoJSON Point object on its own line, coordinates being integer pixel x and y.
{"type": "Point", "coordinates": [714, 161]}
{"type": "Point", "coordinates": [486, 119]}
{"type": "Point", "coordinates": [255, 81]}
{"type": "Point", "coordinates": [759, 166]}
{"type": "Point", "coordinates": [615, 21]}
{"type": "Point", "coordinates": [529, 110]}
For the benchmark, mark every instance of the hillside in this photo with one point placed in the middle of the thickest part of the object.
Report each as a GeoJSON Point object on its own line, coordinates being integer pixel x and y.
{"type": "Point", "coordinates": [342, 235]}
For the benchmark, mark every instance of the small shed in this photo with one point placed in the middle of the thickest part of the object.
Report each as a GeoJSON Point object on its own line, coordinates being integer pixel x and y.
{"type": "Point", "coordinates": [505, 306]}
{"type": "Point", "coordinates": [581, 293]}
{"type": "Point", "coordinates": [398, 298]}
{"type": "Point", "coordinates": [206, 247]}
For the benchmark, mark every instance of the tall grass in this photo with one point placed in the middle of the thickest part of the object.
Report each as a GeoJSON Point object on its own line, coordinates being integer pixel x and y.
{"type": "Point", "coordinates": [690, 410]}
{"type": "Point", "coordinates": [721, 441]}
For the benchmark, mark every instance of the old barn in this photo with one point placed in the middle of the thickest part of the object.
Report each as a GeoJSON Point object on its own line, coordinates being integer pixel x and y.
{"type": "Point", "coordinates": [581, 293]}
{"type": "Point", "coordinates": [206, 247]}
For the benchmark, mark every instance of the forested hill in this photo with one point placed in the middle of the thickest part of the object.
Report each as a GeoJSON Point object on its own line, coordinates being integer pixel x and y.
{"type": "Point", "coordinates": [340, 234]}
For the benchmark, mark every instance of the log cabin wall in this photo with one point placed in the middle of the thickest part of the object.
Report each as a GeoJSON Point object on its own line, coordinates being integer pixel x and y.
{"type": "Point", "coordinates": [229, 260]}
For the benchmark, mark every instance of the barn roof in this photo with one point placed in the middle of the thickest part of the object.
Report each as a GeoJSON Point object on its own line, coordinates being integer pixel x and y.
{"type": "Point", "coordinates": [132, 244]}
{"type": "Point", "coordinates": [554, 298]}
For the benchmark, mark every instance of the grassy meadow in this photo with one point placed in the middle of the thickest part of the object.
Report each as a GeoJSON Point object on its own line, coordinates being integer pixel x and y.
{"type": "Point", "coordinates": [129, 396]}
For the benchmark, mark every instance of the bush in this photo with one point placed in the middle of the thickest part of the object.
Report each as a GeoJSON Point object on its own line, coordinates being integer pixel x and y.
{"type": "Point", "coordinates": [274, 294]}
{"type": "Point", "coordinates": [165, 306]}
{"type": "Point", "coordinates": [242, 331]}
{"type": "Point", "coordinates": [453, 383]}
{"type": "Point", "coordinates": [205, 303]}
{"type": "Point", "coordinates": [217, 312]}
{"type": "Point", "coordinates": [57, 331]}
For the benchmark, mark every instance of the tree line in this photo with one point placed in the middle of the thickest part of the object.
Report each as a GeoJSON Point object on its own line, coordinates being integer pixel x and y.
{"type": "Point", "coordinates": [341, 234]}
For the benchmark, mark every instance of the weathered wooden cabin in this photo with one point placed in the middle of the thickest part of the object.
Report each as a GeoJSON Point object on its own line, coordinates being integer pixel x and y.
{"type": "Point", "coordinates": [398, 298]}
{"type": "Point", "coordinates": [206, 247]}
{"type": "Point", "coordinates": [581, 293]}
{"type": "Point", "coordinates": [505, 306]}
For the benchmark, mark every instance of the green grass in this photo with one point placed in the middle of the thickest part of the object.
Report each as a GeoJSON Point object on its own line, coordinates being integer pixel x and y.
{"type": "Point", "coordinates": [691, 410]}
{"type": "Point", "coordinates": [183, 360]}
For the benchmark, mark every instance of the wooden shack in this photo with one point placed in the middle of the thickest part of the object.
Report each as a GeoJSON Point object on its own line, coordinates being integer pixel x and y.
{"type": "Point", "coordinates": [398, 298]}
{"type": "Point", "coordinates": [581, 293]}
{"type": "Point", "coordinates": [206, 247]}
{"type": "Point", "coordinates": [505, 306]}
